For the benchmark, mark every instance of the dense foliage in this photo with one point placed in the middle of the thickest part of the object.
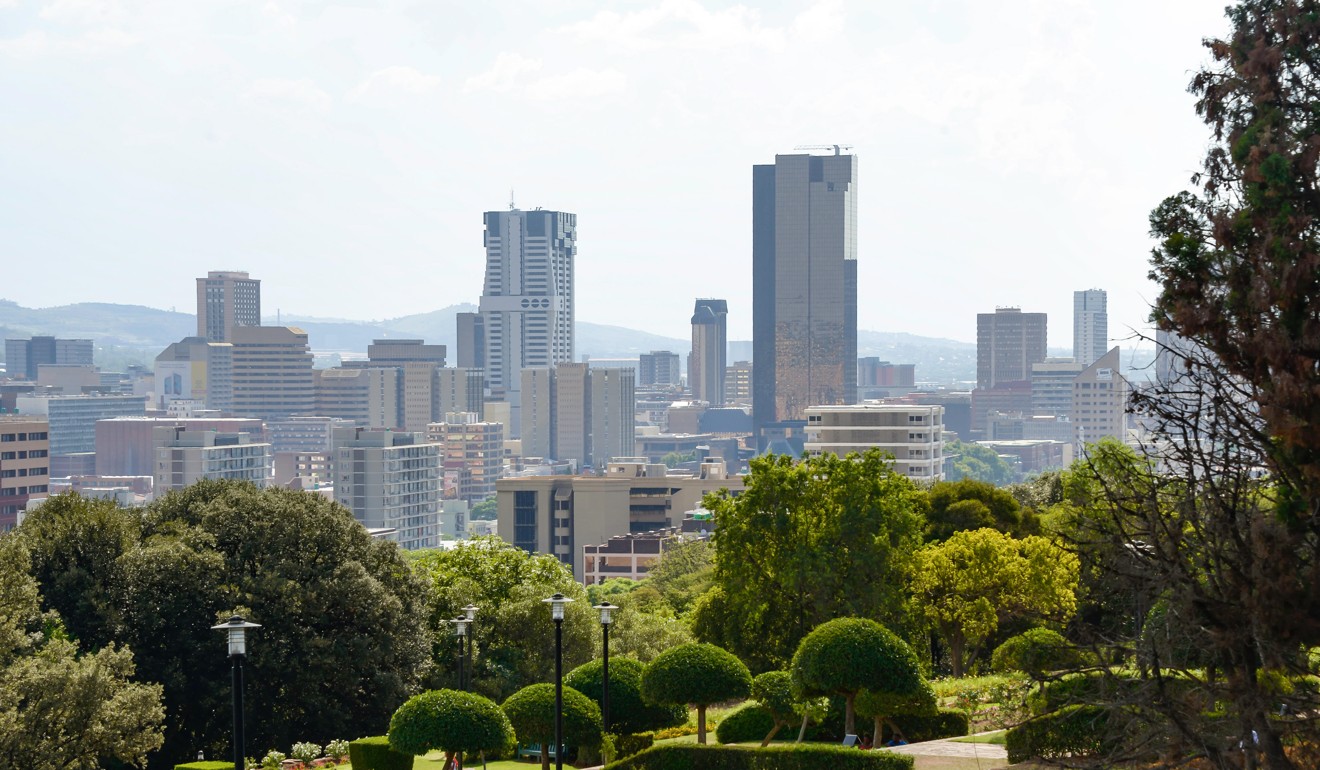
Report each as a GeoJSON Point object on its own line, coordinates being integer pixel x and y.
{"type": "Point", "coordinates": [681, 756]}
{"type": "Point", "coordinates": [696, 674]}
{"type": "Point", "coordinates": [808, 541]}
{"type": "Point", "coordinates": [848, 655]}
{"type": "Point", "coordinates": [629, 713]}
{"type": "Point", "coordinates": [375, 754]}
{"type": "Point", "coordinates": [531, 711]}
{"type": "Point", "coordinates": [1036, 652]}
{"type": "Point", "coordinates": [451, 721]}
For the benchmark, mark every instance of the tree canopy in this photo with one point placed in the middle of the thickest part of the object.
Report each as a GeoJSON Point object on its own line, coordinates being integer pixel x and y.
{"type": "Point", "coordinates": [848, 655]}
{"type": "Point", "coordinates": [956, 506]}
{"type": "Point", "coordinates": [696, 674]}
{"type": "Point", "coordinates": [974, 580]}
{"type": "Point", "coordinates": [807, 541]}
{"type": "Point", "coordinates": [974, 461]}
{"type": "Point", "coordinates": [452, 721]}
{"type": "Point", "coordinates": [531, 711]}
{"type": "Point", "coordinates": [629, 713]}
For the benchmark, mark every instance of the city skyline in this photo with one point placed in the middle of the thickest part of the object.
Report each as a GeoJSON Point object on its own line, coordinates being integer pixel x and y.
{"type": "Point", "coordinates": [296, 142]}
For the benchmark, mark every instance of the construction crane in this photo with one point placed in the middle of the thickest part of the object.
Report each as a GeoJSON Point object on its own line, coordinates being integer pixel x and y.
{"type": "Point", "coordinates": [835, 147]}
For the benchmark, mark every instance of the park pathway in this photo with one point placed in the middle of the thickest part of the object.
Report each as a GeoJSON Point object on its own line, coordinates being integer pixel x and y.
{"type": "Point", "coordinates": [950, 748]}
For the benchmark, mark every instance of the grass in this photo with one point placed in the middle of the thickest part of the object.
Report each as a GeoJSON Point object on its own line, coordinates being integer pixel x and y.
{"type": "Point", "coordinates": [997, 737]}
{"type": "Point", "coordinates": [436, 761]}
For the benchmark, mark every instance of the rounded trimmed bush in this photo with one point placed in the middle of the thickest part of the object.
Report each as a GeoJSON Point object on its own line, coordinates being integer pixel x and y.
{"type": "Point", "coordinates": [847, 655]}
{"type": "Point", "coordinates": [451, 721]}
{"type": "Point", "coordinates": [375, 754]}
{"type": "Point", "coordinates": [749, 722]}
{"type": "Point", "coordinates": [1036, 652]}
{"type": "Point", "coordinates": [697, 674]}
{"type": "Point", "coordinates": [531, 711]}
{"type": "Point", "coordinates": [629, 713]}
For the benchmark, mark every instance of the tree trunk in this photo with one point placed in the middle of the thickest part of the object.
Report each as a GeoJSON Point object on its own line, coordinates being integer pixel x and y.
{"type": "Point", "coordinates": [449, 759]}
{"type": "Point", "coordinates": [803, 732]}
{"type": "Point", "coordinates": [545, 755]}
{"type": "Point", "coordinates": [773, 731]}
{"type": "Point", "coordinates": [849, 716]}
{"type": "Point", "coordinates": [701, 724]}
{"type": "Point", "coordinates": [458, 760]}
{"type": "Point", "coordinates": [956, 649]}
{"type": "Point", "coordinates": [877, 738]}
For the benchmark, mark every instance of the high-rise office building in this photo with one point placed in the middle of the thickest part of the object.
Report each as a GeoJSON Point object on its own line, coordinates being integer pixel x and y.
{"type": "Point", "coordinates": [1099, 407]}
{"type": "Point", "coordinates": [710, 344]}
{"type": "Point", "coordinates": [368, 397]}
{"type": "Point", "coordinates": [526, 306]}
{"type": "Point", "coordinates": [459, 390]}
{"type": "Point", "coordinates": [471, 341]}
{"type": "Point", "coordinates": [659, 369]}
{"type": "Point", "coordinates": [226, 299]}
{"type": "Point", "coordinates": [1008, 342]}
{"type": "Point", "coordinates": [23, 358]}
{"type": "Point", "coordinates": [804, 286]}
{"type": "Point", "coordinates": [417, 364]}
{"type": "Point", "coordinates": [1090, 325]}
{"type": "Point", "coordinates": [195, 369]}
{"type": "Point", "coordinates": [24, 465]}
{"type": "Point", "coordinates": [272, 372]}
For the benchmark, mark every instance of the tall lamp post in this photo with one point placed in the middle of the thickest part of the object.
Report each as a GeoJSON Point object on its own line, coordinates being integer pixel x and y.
{"type": "Point", "coordinates": [460, 631]}
{"type": "Point", "coordinates": [470, 612]}
{"type": "Point", "coordinates": [557, 603]}
{"type": "Point", "coordinates": [606, 619]}
{"type": "Point", "coordinates": [237, 629]}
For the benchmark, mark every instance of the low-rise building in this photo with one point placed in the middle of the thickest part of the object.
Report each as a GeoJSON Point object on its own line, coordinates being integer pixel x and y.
{"type": "Point", "coordinates": [24, 465]}
{"type": "Point", "coordinates": [912, 434]}
{"type": "Point", "coordinates": [185, 456]}
{"type": "Point", "coordinates": [390, 480]}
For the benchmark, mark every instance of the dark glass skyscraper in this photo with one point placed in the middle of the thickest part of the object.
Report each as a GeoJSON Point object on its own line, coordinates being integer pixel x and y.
{"type": "Point", "coordinates": [804, 287]}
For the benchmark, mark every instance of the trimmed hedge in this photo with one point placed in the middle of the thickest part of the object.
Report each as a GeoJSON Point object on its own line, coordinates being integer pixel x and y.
{"type": "Point", "coordinates": [628, 745]}
{"type": "Point", "coordinates": [374, 754]}
{"type": "Point", "coordinates": [209, 764]}
{"type": "Point", "coordinates": [749, 722]}
{"type": "Point", "coordinates": [691, 756]}
{"type": "Point", "coordinates": [1072, 731]}
{"type": "Point", "coordinates": [948, 723]}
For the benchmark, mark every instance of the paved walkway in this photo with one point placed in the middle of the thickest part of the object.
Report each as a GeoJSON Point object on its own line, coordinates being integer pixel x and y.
{"type": "Point", "coordinates": [950, 748]}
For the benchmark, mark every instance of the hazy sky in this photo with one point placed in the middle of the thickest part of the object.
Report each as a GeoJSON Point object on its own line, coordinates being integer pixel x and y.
{"type": "Point", "coordinates": [343, 152]}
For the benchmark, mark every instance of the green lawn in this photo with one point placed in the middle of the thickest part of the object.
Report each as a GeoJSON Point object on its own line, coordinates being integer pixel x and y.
{"type": "Point", "coordinates": [436, 761]}
{"type": "Point", "coordinates": [997, 737]}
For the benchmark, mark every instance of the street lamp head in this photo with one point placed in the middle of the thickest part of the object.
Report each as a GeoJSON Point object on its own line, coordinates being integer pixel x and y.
{"type": "Point", "coordinates": [471, 612]}
{"type": "Point", "coordinates": [237, 628]}
{"type": "Point", "coordinates": [557, 603]}
{"type": "Point", "coordinates": [460, 626]}
{"type": "Point", "coordinates": [605, 610]}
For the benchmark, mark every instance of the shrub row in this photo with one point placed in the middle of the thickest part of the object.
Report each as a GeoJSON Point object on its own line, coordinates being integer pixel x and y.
{"type": "Point", "coordinates": [1073, 731]}
{"type": "Point", "coordinates": [948, 723]}
{"type": "Point", "coordinates": [376, 754]}
{"type": "Point", "coordinates": [628, 745]}
{"type": "Point", "coordinates": [750, 722]}
{"type": "Point", "coordinates": [688, 756]}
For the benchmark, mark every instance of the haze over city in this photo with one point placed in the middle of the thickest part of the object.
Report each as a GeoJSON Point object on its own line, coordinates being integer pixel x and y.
{"type": "Point", "coordinates": [1009, 154]}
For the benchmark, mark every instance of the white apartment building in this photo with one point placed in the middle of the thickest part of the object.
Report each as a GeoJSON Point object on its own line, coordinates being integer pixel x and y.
{"type": "Point", "coordinates": [912, 434]}
{"type": "Point", "coordinates": [186, 456]}
{"type": "Point", "coordinates": [390, 480]}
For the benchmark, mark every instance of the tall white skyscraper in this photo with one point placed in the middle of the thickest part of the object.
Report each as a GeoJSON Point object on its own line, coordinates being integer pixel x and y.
{"type": "Point", "coordinates": [1090, 325]}
{"type": "Point", "coordinates": [527, 300]}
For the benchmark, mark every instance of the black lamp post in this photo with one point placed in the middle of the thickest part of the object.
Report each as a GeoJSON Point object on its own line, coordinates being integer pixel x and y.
{"type": "Point", "coordinates": [237, 629]}
{"type": "Point", "coordinates": [557, 603]}
{"type": "Point", "coordinates": [470, 612]}
{"type": "Point", "coordinates": [460, 631]}
{"type": "Point", "coordinates": [606, 619]}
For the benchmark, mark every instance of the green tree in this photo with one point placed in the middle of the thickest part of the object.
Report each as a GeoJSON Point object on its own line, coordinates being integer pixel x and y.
{"type": "Point", "coordinates": [531, 711]}
{"type": "Point", "coordinates": [60, 709]}
{"type": "Point", "coordinates": [846, 656]}
{"type": "Point", "coordinates": [773, 690]}
{"type": "Point", "coordinates": [683, 573]}
{"type": "Point", "coordinates": [973, 461]}
{"type": "Point", "coordinates": [973, 581]}
{"type": "Point", "coordinates": [807, 541]}
{"type": "Point", "coordinates": [629, 713]}
{"type": "Point", "coordinates": [454, 722]}
{"type": "Point", "coordinates": [956, 506]}
{"type": "Point", "coordinates": [697, 675]}
{"type": "Point", "coordinates": [513, 638]}
{"type": "Point", "coordinates": [486, 510]}
{"type": "Point", "coordinates": [1037, 652]}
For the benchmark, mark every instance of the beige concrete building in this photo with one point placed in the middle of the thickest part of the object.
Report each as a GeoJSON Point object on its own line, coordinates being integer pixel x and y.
{"type": "Point", "coordinates": [417, 364]}
{"type": "Point", "coordinates": [459, 390]}
{"type": "Point", "coordinates": [195, 369]}
{"type": "Point", "coordinates": [272, 371]}
{"type": "Point", "coordinates": [24, 465]}
{"type": "Point", "coordinates": [1052, 386]}
{"type": "Point", "coordinates": [709, 357]}
{"type": "Point", "coordinates": [738, 383]}
{"type": "Point", "coordinates": [226, 299]}
{"type": "Point", "coordinates": [537, 412]}
{"type": "Point", "coordinates": [368, 397]}
{"type": "Point", "coordinates": [561, 515]}
{"type": "Point", "coordinates": [185, 456]}
{"type": "Point", "coordinates": [70, 379]}
{"type": "Point", "coordinates": [627, 556]}
{"type": "Point", "coordinates": [585, 415]}
{"type": "Point", "coordinates": [126, 446]}
{"type": "Point", "coordinates": [473, 453]}
{"type": "Point", "coordinates": [1099, 406]}
{"type": "Point", "coordinates": [390, 480]}
{"type": "Point", "coordinates": [914, 435]}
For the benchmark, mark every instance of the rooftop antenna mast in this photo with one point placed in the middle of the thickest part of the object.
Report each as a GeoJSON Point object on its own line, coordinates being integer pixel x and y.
{"type": "Point", "coordinates": [512, 205]}
{"type": "Point", "coordinates": [836, 147]}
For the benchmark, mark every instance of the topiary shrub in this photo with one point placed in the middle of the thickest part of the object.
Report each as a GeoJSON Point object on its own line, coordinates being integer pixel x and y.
{"type": "Point", "coordinates": [1074, 731]}
{"type": "Point", "coordinates": [946, 723]}
{"type": "Point", "coordinates": [696, 674]}
{"type": "Point", "coordinates": [848, 655]}
{"type": "Point", "coordinates": [686, 756]}
{"type": "Point", "coordinates": [749, 722]}
{"type": "Point", "coordinates": [628, 745]}
{"type": "Point", "coordinates": [629, 713]}
{"type": "Point", "coordinates": [531, 711]}
{"type": "Point", "coordinates": [452, 721]}
{"type": "Point", "coordinates": [1036, 653]}
{"type": "Point", "coordinates": [373, 754]}
{"type": "Point", "coordinates": [885, 707]}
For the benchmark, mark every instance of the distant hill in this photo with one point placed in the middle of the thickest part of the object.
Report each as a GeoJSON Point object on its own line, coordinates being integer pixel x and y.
{"type": "Point", "coordinates": [148, 330]}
